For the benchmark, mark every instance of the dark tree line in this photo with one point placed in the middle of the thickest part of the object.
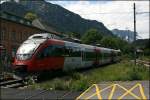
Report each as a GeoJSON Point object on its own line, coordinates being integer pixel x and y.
{"type": "Point", "coordinates": [93, 36]}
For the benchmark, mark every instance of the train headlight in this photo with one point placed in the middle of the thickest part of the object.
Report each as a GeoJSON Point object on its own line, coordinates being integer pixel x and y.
{"type": "Point", "coordinates": [23, 56]}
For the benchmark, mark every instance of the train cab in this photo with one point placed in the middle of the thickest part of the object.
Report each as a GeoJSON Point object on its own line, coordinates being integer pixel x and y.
{"type": "Point", "coordinates": [25, 54]}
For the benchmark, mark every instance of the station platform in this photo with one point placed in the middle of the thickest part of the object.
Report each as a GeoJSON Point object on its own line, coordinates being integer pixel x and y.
{"type": "Point", "coordinates": [104, 90]}
{"type": "Point", "coordinates": [29, 94]}
{"type": "Point", "coordinates": [117, 90]}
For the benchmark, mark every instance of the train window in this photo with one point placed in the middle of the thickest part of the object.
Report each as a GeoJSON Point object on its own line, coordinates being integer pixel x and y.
{"type": "Point", "coordinates": [58, 50]}
{"type": "Point", "coordinates": [52, 36]}
{"type": "Point", "coordinates": [105, 55]}
{"type": "Point", "coordinates": [68, 51]}
{"type": "Point", "coordinates": [99, 55]}
{"type": "Point", "coordinates": [55, 51]}
{"type": "Point", "coordinates": [76, 52]}
{"type": "Point", "coordinates": [40, 55]}
{"type": "Point", "coordinates": [90, 56]}
{"type": "Point", "coordinates": [46, 52]}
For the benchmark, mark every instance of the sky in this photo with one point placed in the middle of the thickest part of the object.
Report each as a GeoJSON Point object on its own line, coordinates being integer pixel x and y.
{"type": "Point", "coordinates": [113, 14]}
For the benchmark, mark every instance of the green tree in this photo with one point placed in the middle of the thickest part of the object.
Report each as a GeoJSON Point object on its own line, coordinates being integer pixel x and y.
{"type": "Point", "coordinates": [110, 42]}
{"type": "Point", "coordinates": [30, 16]}
{"type": "Point", "coordinates": [117, 43]}
{"type": "Point", "coordinates": [91, 36]}
{"type": "Point", "coordinates": [146, 48]}
{"type": "Point", "coordinates": [127, 48]}
{"type": "Point", "coordinates": [73, 35]}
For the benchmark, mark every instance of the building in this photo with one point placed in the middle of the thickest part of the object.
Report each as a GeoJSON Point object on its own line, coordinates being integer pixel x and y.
{"type": "Point", "coordinates": [15, 30]}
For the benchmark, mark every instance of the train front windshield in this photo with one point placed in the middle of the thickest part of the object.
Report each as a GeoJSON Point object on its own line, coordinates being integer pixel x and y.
{"type": "Point", "coordinates": [27, 49]}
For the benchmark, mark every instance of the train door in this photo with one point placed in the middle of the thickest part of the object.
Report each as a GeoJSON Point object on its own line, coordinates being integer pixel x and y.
{"type": "Point", "coordinates": [73, 60]}
{"type": "Point", "coordinates": [102, 58]}
{"type": "Point", "coordinates": [42, 61]}
{"type": "Point", "coordinates": [50, 58]}
{"type": "Point", "coordinates": [87, 57]}
{"type": "Point", "coordinates": [112, 56]}
{"type": "Point", "coordinates": [83, 57]}
{"type": "Point", "coordinates": [97, 56]}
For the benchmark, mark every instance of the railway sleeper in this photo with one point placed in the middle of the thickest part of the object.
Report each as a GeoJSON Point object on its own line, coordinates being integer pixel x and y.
{"type": "Point", "coordinates": [8, 82]}
{"type": "Point", "coordinates": [16, 85]}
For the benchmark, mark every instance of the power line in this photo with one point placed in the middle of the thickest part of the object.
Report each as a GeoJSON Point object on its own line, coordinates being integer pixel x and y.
{"type": "Point", "coordinates": [116, 13]}
{"type": "Point", "coordinates": [142, 12]}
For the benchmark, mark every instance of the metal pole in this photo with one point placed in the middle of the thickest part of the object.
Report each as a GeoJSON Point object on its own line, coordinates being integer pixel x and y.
{"type": "Point", "coordinates": [134, 34]}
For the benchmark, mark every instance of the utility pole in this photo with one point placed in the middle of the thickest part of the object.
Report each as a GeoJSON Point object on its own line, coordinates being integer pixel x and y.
{"type": "Point", "coordinates": [134, 34]}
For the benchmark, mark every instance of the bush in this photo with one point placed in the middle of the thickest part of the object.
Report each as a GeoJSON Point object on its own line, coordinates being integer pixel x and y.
{"type": "Point", "coordinates": [76, 76]}
{"type": "Point", "coordinates": [79, 85]}
{"type": "Point", "coordinates": [79, 81]}
{"type": "Point", "coordinates": [133, 75]}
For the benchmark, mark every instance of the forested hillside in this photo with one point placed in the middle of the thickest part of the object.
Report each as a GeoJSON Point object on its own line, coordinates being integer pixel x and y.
{"type": "Point", "coordinates": [55, 16]}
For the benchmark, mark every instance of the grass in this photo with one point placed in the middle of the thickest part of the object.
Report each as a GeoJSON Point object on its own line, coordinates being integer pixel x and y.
{"type": "Point", "coordinates": [81, 80]}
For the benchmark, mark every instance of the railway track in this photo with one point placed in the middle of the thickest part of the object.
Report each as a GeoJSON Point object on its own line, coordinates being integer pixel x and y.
{"type": "Point", "coordinates": [10, 82]}
{"type": "Point", "coordinates": [145, 63]}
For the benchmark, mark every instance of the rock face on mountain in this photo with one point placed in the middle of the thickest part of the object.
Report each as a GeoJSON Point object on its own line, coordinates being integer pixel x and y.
{"type": "Point", "coordinates": [55, 16]}
{"type": "Point", "coordinates": [124, 34]}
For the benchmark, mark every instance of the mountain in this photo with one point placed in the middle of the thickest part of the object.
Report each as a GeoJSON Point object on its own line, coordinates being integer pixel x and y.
{"type": "Point", "coordinates": [124, 34]}
{"type": "Point", "coordinates": [57, 17]}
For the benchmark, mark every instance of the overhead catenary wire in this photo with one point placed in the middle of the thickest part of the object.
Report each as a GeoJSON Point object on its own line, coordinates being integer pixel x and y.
{"type": "Point", "coordinates": [115, 13]}
{"type": "Point", "coordinates": [99, 14]}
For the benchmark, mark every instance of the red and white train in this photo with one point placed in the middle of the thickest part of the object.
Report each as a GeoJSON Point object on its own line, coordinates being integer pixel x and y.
{"type": "Point", "coordinates": [41, 52]}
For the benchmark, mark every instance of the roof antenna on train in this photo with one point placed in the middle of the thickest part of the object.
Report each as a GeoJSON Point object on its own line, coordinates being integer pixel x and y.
{"type": "Point", "coordinates": [47, 38]}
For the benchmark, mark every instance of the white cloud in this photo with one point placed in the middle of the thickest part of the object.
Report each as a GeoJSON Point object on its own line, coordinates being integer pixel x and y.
{"type": "Point", "coordinates": [2, 1]}
{"type": "Point", "coordinates": [114, 14]}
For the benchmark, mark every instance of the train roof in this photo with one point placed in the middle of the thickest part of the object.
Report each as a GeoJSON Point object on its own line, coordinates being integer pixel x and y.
{"type": "Point", "coordinates": [40, 38]}
{"type": "Point", "coordinates": [78, 44]}
{"type": "Point", "coordinates": [73, 44]}
{"type": "Point", "coordinates": [43, 36]}
{"type": "Point", "coordinates": [34, 41]}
